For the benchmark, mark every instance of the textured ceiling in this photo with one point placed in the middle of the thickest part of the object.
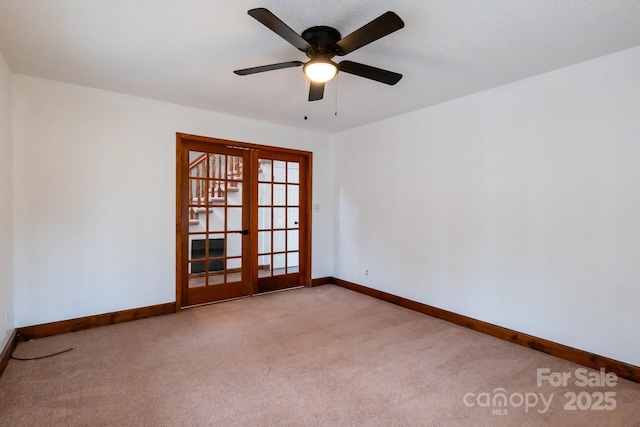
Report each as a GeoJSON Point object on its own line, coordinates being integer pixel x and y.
{"type": "Point", "coordinates": [184, 51]}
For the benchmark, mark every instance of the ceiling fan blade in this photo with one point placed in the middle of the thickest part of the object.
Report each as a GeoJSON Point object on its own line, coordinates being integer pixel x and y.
{"type": "Point", "coordinates": [274, 23]}
{"type": "Point", "coordinates": [316, 91]}
{"type": "Point", "coordinates": [383, 25]}
{"type": "Point", "coordinates": [369, 72]}
{"type": "Point", "coordinates": [270, 67]}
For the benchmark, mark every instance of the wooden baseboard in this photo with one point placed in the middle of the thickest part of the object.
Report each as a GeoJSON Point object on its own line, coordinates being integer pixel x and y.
{"type": "Point", "coordinates": [8, 350]}
{"type": "Point", "coordinates": [72, 325]}
{"type": "Point", "coordinates": [581, 357]}
{"type": "Point", "coordinates": [322, 281]}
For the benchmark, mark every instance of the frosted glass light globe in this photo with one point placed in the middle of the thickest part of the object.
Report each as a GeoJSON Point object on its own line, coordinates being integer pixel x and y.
{"type": "Point", "coordinates": [320, 71]}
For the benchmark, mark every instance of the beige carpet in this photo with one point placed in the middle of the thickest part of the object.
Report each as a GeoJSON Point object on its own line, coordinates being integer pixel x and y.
{"type": "Point", "coordinates": [320, 356]}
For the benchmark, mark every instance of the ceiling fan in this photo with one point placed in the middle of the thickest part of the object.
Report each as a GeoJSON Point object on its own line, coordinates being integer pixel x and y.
{"type": "Point", "coordinates": [321, 43]}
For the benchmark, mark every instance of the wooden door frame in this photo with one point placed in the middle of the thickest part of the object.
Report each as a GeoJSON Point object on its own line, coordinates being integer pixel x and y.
{"type": "Point", "coordinates": [182, 221]}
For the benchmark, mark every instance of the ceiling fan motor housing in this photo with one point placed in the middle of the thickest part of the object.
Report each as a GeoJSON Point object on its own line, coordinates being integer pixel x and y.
{"type": "Point", "coordinates": [323, 41]}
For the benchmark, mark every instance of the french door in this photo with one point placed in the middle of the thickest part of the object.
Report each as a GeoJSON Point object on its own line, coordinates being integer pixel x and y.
{"type": "Point", "coordinates": [243, 219]}
{"type": "Point", "coordinates": [278, 220]}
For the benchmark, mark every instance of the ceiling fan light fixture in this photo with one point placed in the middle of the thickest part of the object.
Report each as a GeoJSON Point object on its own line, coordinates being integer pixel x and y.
{"type": "Point", "coordinates": [320, 70]}
{"type": "Point", "coordinates": [321, 43]}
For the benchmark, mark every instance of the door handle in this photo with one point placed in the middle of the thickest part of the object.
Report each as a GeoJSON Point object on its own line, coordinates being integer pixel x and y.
{"type": "Point", "coordinates": [243, 232]}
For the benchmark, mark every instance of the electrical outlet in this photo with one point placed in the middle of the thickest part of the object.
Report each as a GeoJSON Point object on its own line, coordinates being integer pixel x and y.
{"type": "Point", "coordinates": [366, 272]}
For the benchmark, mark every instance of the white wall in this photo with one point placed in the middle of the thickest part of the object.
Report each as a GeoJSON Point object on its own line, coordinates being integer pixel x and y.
{"type": "Point", "coordinates": [94, 183]}
{"type": "Point", "coordinates": [519, 206]}
{"type": "Point", "coordinates": [6, 207]}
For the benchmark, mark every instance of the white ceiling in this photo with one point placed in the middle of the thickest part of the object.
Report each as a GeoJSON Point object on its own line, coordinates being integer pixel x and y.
{"type": "Point", "coordinates": [185, 51]}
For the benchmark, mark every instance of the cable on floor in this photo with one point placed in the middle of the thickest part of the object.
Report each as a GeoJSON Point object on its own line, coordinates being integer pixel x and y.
{"type": "Point", "coordinates": [23, 337]}
{"type": "Point", "coordinates": [42, 357]}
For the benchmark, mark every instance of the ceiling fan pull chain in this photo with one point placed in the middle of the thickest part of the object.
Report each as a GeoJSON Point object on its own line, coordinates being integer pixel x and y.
{"type": "Point", "coordinates": [307, 84]}
{"type": "Point", "coordinates": [335, 113]}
